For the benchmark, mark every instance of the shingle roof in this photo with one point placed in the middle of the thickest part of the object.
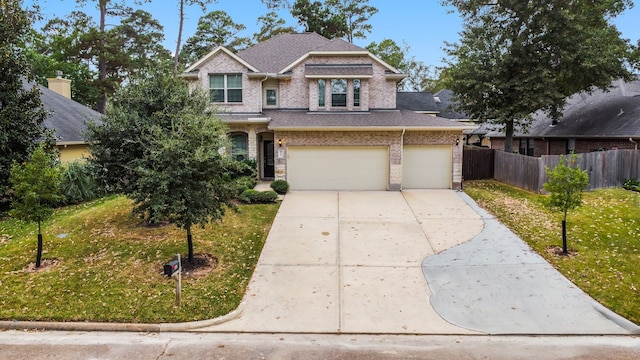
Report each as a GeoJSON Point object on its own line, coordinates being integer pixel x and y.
{"type": "Point", "coordinates": [339, 45]}
{"type": "Point", "coordinates": [338, 69]}
{"type": "Point", "coordinates": [67, 118]}
{"type": "Point", "coordinates": [280, 51]}
{"type": "Point", "coordinates": [416, 101]}
{"type": "Point", "coordinates": [612, 114]}
{"type": "Point", "coordinates": [383, 119]}
{"type": "Point", "coordinates": [446, 105]}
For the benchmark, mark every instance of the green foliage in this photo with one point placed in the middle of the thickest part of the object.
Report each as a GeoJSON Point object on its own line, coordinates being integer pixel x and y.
{"type": "Point", "coordinates": [258, 197]}
{"type": "Point", "coordinates": [78, 182]}
{"type": "Point", "coordinates": [216, 28]}
{"type": "Point", "coordinates": [21, 111]}
{"type": "Point", "coordinates": [320, 18]}
{"type": "Point", "coordinates": [36, 187]}
{"type": "Point", "coordinates": [356, 13]}
{"type": "Point", "coordinates": [517, 57]}
{"type": "Point", "coordinates": [243, 168]}
{"type": "Point", "coordinates": [271, 25]}
{"type": "Point", "coordinates": [280, 186]}
{"type": "Point", "coordinates": [121, 141]}
{"type": "Point", "coordinates": [566, 184]}
{"type": "Point", "coordinates": [631, 184]}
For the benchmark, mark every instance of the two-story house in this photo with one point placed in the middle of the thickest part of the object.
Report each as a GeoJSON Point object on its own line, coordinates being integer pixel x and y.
{"type": "Point", "coordinates": [322, 114]}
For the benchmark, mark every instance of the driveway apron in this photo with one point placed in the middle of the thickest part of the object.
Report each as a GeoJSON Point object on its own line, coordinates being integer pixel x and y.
{"type": "Point", "coordinates": [386, 263]}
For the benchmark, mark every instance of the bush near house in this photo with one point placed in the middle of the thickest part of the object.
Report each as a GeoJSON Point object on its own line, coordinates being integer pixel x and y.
{"type": "Point", "coordinates": [280, 186]}
{"type": "Point", "coordinates": [258, 197]}
{"type": "Point", "coordinates": [631, 184]}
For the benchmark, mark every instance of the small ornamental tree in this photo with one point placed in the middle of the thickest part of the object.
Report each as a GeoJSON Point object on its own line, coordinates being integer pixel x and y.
{"type": "Point", "coordinates": [565, 185]}
{"type": "Point", "coordinates": [36, 187]}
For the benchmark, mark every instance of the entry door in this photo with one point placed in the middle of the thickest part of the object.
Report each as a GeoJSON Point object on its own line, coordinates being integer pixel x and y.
{"type": "Point", "coordinates": [268, 169]}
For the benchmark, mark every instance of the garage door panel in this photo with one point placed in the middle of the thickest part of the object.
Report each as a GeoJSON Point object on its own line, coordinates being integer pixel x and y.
{"type": "Point", "coordinates": [426, 167]}
{"type": "Point", "coordinates": [337, 168]}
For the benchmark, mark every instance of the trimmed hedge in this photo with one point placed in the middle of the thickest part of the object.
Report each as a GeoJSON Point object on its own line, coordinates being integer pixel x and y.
{"type": "Point", "coordinates": [258, 197]}
{"type": "Point", "coordinates": [280, 186]}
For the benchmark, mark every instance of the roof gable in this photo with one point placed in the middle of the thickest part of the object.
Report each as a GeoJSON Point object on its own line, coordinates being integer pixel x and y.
{"type": "Point", "coordinates": [213, 53]}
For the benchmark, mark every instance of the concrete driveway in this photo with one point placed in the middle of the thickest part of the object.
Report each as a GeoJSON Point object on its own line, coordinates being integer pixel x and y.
{"type": "Point", "coordinates": [387, 263]}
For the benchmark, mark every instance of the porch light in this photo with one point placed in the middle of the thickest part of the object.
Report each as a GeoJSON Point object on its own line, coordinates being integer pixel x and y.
{"type": "Point", "coordinates": [457, 141]}
{"type": "Point", "coordinates": [279, 142]}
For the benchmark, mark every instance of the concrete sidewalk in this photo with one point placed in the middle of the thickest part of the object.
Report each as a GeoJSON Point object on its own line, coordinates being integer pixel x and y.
{"type": "Point", "coordinates": [350, 262]}
{"type": "Point", "coordinates": [353, 262]}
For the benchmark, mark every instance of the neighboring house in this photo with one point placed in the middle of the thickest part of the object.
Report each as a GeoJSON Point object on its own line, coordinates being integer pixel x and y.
{"type": "Point", "coordinates": [447, 109]}
{"type": "Point", "coordinates": [324, 115]}
{"type": "Point", "coordinates": [602, 120]}
{"type": "Point", "coordinates": [68, 119]}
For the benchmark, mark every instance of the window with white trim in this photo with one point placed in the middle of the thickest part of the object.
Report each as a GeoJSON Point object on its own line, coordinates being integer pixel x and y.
{"type": "Point", "coordinates": [321, 90]}
{"type": "Point", "coordinates": [356, 92]}
{"type": "Point", "coordinates": [271, 97]}
{"type": "Point", "coordinates": [339, 92]}
{"type": "Point", "coordinates": [225, 88]}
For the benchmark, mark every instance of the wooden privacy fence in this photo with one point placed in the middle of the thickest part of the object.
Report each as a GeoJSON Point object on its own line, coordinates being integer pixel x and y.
{"type": "Point", "coordinates": [477, 163]}
{"type": "Point", "coordinates": [605, 168]}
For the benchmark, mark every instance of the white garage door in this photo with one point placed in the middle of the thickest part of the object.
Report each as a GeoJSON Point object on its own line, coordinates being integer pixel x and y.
{"type": "Point", "coordinates": [426, 167]}
{"type": "Point", "coordinates": [337, 167]}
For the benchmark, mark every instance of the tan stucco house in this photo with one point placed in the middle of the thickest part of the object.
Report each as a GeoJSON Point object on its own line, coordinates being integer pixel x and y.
{"type": "Point", "coordinates": [323, 115]}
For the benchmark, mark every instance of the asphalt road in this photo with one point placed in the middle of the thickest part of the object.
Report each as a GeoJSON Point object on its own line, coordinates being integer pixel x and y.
{"type": "Point", "coordinates": [108, 345]}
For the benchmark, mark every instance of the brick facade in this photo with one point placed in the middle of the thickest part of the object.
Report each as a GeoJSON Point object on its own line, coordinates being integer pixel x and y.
{"type": "Point", "coordinates": [394, 140]}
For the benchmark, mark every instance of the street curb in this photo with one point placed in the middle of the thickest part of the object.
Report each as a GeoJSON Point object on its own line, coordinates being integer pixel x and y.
{"type": "Point", "coordinates": [96, 326]}
{"type": "Point", "coordinates": [617, 319]}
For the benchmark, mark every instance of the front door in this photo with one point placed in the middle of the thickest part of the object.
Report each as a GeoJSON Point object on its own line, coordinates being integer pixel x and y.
{"type": "Point", "coordinates": [268, 168]}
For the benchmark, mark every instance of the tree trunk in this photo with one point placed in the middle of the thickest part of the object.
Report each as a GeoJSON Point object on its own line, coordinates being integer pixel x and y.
{"type": "Point", "coordinates": [564, 237]}
{"type": "Point", "coordinates": [508, 136]}
{"type": "Point", "coordinates": [39, 251]}
{"type": "Point", "coordinates": [102, 63]}
{"type": "Point", "coordinates": [177, 53]}
{"type": "Point", "coordinates": [190, 244]}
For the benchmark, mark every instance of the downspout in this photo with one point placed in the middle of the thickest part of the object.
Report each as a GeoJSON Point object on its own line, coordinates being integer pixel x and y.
{"type": "Point", "coordinates": [266, 76]}
{"type": "Point", "coordinates": [401, 154]}
{"type": "Point", "coordinates": [635, 143]}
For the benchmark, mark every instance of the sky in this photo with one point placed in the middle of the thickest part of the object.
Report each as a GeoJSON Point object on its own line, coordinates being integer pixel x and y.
{"type": "Point", "coordinates": [422, 25]}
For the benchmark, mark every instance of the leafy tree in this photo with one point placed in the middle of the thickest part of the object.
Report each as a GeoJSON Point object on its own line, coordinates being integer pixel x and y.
{"type": "Point", "coordinates": [565, 185]}
{"type": "Point", "coordinates": [182, 3]}
{"type": "Point", "coordinates": [36, 187]}
{"type": "Point", "coordinates": [390, 52]}
{"type": "Point", "coordinates": [181, 177]}
{"type": "Point", "coordinates": [21, 111]}
{"type": "Point", "coordinates": [320, 18]}
{"type": "Point", "coordinates": [54, 48]}
{"type": "Point", "coordinates": [516, 57]}
{"type": "Point", "coordinates": [356, 14]}
{"type": "Point", "coordinates": [216, 28]}
{"type": "Point", "coordinates": [117, 146]}
{"type": "Point", "coordinates": [271, 25]}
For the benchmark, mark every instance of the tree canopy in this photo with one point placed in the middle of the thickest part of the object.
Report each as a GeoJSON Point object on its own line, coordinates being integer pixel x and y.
{"type": "Point", "coordinates": [516, 57]}
{"type": "Point", "coordinates": [21, 110]}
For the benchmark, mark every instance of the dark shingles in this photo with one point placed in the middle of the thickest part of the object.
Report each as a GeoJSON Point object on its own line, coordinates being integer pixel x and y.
{"type": "Point", "coordinates": [280, 51]}
{"type": "Point", "coordinates": [447, 106]}
{"type": "Point", "coordinates": [416, 101]}
{"type": "Point", "coordinates": [67, 117]}
{"type": "Point", "coordinates": [301, 119]}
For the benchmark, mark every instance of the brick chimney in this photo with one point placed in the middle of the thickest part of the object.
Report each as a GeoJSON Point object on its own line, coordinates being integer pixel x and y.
{"type": "Point", "coordinates": [60, 85]}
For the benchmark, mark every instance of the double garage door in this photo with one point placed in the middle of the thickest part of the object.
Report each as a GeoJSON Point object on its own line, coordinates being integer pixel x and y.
{"type": "Point", "coordinates": [366, 167]}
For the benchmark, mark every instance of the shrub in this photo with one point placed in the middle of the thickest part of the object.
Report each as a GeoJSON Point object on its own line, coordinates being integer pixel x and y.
{"type": "Point", "coordinates": [258, 197]}
{"type": "Point", "coordinates": [239, 185]}
{"type": "Point", "coordinates": [280, 186]}
{"type": "Point", "coordinates": [79, 182]}
{"type": "Point", "coordinates": [631, 184]}
{"type": "Point", "coordinates": [245, 168]}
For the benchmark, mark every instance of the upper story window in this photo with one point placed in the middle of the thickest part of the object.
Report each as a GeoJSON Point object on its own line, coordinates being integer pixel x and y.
{"type": "Point", "coordinates": [321, 90]}
{"type": "Point", "coordinates": [271, 96]}
{"type": "Point", "coordinates": [356, 92]}
{"type": "Point", "coordinates": [338, 92]}
{"type": "Point", "coordinates": [225, 88]}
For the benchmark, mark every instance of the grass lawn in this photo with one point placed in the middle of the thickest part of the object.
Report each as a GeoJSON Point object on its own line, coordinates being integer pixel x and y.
{"type": "Point", "coordinates": [603, 238]}
{"type": "Point", "coordinates": [108, 267]}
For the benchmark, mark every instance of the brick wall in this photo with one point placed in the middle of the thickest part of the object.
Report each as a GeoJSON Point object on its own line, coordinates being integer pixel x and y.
{"type": "Point", "coordinates": [393, 139]}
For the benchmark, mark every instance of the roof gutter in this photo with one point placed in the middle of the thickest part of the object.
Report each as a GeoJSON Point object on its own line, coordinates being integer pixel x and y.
{"type": "Point", "coordinates": [371, 128]}
{"type": "Point", "coordinates": [634, 142]}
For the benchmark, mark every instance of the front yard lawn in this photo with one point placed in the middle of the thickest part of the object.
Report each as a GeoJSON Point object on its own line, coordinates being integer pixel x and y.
{"type": "Point", "coordinates": [100, 264]}
{"type": "Point", "coordinates": [603, 238]}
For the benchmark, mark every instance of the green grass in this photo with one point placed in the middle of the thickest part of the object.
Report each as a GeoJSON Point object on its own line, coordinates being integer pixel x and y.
{"type": "Point", "coordinates": [110, 267]}
{"type": "Point", "coordinates": [603, 238]}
